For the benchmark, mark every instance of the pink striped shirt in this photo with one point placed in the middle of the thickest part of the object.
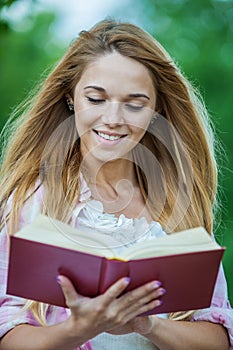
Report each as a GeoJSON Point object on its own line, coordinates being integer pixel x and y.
{"type": "Point", "coordinates": [220, 310]}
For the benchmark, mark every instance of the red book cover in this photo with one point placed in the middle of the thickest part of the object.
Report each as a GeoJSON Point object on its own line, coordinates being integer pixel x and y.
{"type": "Point", "coordinates": [188, 278]}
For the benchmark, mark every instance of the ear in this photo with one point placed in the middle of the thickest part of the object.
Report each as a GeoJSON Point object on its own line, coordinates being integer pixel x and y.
{"type": "Point", "coordinates": [69, 102]}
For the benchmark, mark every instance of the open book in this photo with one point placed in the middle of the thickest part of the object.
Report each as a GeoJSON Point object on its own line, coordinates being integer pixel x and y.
{"type": "Point", "coordinates": [186, 263]}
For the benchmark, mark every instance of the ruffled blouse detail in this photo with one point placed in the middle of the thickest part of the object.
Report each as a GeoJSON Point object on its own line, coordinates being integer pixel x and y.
{"type": "Point", "coordinates": [126, 231]}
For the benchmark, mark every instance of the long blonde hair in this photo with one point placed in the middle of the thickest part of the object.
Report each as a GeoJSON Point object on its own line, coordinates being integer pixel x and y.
{"type": "Point", "coordinates": [181, 139]}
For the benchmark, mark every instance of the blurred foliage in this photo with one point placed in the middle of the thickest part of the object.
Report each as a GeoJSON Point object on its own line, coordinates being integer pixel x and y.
{"type": "Point", "coordinates": [25, 55]}
{"type": "Point", "coordinates": [198, 34]}
{"type": "Point", "coordinates": [4, 25]}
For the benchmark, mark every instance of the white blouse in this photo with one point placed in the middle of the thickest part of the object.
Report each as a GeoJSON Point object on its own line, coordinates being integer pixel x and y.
{"type": "Point", "coordinates": [127, 231]}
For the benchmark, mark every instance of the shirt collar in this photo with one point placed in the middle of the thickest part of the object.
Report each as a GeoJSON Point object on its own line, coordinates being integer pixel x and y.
{"type": "Point", "coordinates": [85, 192]}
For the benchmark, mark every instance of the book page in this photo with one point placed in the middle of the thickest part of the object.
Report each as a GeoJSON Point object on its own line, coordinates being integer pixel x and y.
{"type": "Point", "coordinates": [192, 240]}
{"type": "Point", "coordinates": [51, 231]}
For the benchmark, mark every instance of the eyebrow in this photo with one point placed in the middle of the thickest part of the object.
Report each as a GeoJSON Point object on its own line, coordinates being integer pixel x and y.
{"type": "Point", "coordinates": [99, 88]}
{"type": "Point", "coordinates": [139, 95]}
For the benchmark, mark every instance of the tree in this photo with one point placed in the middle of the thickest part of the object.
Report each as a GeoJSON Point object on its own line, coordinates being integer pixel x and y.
{"type": "Point", "coordinates": [24, 57]}
{"type": "Point", "coordinates": [199, 34]}
{"type": "Point", "coordinates": [4, 25]}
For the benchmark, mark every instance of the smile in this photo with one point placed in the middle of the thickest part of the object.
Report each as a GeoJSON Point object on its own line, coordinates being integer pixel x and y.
{"type": "Point", "coordinates": [109, 137]}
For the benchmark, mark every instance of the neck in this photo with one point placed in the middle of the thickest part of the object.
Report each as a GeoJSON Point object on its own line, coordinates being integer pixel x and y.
{"type": "Point", "coordinates": [109, 173]}
{"type": "Point", "coordinates": [115, 185]}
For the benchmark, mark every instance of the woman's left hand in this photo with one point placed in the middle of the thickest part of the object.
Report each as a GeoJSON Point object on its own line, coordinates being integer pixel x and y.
{"type": "Point", "coordinates": [142, 325]}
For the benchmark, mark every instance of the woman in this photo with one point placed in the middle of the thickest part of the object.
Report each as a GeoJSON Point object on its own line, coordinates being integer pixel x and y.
{"type": "Point", "coordinates": [117, 134]}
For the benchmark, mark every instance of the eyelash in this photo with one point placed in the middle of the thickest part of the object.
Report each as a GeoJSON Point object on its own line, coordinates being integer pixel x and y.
{"type": "Point", "coordinates": [95, 100]}
{"type": "Point", "coordinates": [133, 107]}
{"type": "Point", "coordinates": [98, 101]}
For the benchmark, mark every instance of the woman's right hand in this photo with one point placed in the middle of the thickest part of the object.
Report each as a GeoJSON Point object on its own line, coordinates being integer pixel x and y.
{"type": "Point", "coordinates": [109, 311]}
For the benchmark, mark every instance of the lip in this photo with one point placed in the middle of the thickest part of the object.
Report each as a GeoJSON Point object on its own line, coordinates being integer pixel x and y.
{"type": "Point", "coordinates": [108, 133]}
{"type": "Point", "coordinates": [108, 142]}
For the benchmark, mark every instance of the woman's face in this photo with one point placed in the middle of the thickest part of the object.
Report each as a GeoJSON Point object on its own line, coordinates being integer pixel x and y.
{"type": "Point", "coordinates": [114, 102]}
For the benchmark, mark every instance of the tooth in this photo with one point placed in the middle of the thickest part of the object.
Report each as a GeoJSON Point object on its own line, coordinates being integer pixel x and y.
{"type": "Point", "coordinates": [108, 137]}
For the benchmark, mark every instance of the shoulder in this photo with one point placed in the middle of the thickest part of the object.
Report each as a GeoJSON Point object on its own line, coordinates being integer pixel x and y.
{"type": "Point", "coordinates": [32, 205]}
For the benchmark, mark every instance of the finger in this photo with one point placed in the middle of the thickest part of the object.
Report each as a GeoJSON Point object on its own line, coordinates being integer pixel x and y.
{"type": "Point", "coordinates": [116, 289]}
{"type": "Point", "coordinates": [155, 294]}
{"type": "Point", "coordinates": [72, 298]}
{"type": "Point", "coordinates": [142, 309]}
{"type": "Point", "coordinates": [135, 302]}
{"type": "Point", "coordinates": [143, 294]}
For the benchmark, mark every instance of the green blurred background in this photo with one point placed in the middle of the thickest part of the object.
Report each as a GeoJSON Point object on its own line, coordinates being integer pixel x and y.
{"type": "Point", "coordinates": [197, 33]}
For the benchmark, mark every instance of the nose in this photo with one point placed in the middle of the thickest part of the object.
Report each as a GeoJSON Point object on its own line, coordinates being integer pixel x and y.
{"type": "Point", "coordinates": [112, 115]}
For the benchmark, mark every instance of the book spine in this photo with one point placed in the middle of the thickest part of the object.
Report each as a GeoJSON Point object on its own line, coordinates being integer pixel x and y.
{"type": "Point", "coordinates": [111, 272]}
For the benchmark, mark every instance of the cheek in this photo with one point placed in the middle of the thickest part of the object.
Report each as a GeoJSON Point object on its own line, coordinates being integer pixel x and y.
{"type": "Point", "coordinates": [137, 133]}
{"type": "Point", "coordinates": [139, 126]}
{"type": "Point", "coordinates": [140, 120]}
{"type": "Point", "coordinates": [141, 133]}
{"type": "Point", "coordinates": [84, 121]}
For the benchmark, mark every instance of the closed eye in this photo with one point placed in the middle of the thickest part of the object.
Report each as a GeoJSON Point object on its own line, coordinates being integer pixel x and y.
{"type": "Point", "coordinates": [95, 100]}
{"type": "Point", "coordinates": [134, 107]}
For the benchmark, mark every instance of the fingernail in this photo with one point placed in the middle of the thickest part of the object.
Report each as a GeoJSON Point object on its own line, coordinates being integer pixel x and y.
{"type": "Point", "coordinates": [58, 279]}
{"type": "Point", "coordinates": [162, 291]}
{"type": "Point", "coordinates": [156, 284]}
{"type": "Point", "coordinates": [127, 280]}
{"type": "Point", "coordinates": [157, 302]}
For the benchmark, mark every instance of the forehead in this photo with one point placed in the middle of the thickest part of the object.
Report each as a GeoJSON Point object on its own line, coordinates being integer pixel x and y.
{"type": "Point", "coordinates": [114, 69]}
